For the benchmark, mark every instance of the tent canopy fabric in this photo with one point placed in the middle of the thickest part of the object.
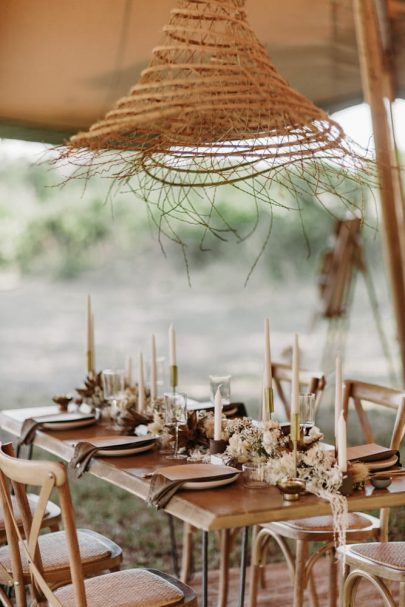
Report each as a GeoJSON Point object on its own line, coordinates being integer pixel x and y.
{"type": "Point", "coordinates": [63, 64]}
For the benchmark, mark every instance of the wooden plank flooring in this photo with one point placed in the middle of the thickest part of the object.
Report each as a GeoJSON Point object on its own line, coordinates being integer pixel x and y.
{"type": "Point", "coordinates": [278, 588]}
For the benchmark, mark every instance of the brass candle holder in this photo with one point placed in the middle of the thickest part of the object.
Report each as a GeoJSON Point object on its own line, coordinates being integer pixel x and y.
{"type": "Point", "coordinates": [295, 437]}
{"type": "Point", "coordinates": [269, 401]}
{"type": "Point", "coordinates": [293, 488]}
{"type": "Point", "coordinates": [89, 361]}
{"type": "Point", "coordinates": [173, 377]}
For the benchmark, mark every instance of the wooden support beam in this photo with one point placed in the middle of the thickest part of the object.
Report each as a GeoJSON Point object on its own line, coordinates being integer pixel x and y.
{"type": "Point", "coordinates": [374, 79]}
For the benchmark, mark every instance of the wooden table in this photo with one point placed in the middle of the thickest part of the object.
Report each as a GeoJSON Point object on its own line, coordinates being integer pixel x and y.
{"type": "Point", "coordinates": [224, 508]}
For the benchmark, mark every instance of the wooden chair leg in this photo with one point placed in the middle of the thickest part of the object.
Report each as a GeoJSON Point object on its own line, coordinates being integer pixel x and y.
{"type": "Point", "coordinates": [402, 594]}
{"type": "Point", "coordinates": [225, 546]}
{"type": "Point", "coordinates": [187, 553]}
{"type": "Point", "coordinates": [258, 548]}
{"type": "Point", "coordinates": [313, 596]}
{"type": "Point", "coordinates": [332, 578]}
{"type": "Point", "coordinates": [299, 578]}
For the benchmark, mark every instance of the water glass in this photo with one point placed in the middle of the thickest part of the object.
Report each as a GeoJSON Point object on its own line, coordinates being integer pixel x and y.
{"type": "Point", "coordinates": [113, 384]}
{"type": "Point", "coordinates": [175, 416]}
{"type": "Point", "coordinates": [254, 475]}
{"type": "Point", "coordinates": [307, 411]}
{"type": "Point", "coordinates": [223, 382]}
{"type": "Point", "coordinates": [114, 391]}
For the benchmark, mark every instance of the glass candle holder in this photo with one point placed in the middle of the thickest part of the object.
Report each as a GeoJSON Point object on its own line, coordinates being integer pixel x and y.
{"type": "Point", "coordinates": [307, 411]}
{"type": "Point", "coordinates": [254, 475]}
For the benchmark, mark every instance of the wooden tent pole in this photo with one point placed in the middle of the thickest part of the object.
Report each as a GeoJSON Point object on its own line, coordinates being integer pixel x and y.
{"type": "Point", "coordinates": [374, 79]}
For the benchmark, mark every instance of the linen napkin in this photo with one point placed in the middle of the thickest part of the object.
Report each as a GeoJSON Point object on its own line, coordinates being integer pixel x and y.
{"type": "Point", "coordinates": [28, 430]}
{"type": "Point", "coordinates": [32, 424]}
{"type": "Point", "coordinates": [85, 450]}
{"type": "Point", "coordinates": [82, 455]}
{"type": "Point", "coordinates": [165, 484]}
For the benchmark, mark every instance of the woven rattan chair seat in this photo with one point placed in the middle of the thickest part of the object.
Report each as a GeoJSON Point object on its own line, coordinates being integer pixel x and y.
{"type": "Point", "coordinates": [325, 523]}
{"type": "Point", "coordinates": [31, 501]}
{"type": "Point", "coordinates": [54, 551]}
{"type": "Point", "coordinates": [387, 554]}
{"type": "Point", "coordinates": [129, 588]}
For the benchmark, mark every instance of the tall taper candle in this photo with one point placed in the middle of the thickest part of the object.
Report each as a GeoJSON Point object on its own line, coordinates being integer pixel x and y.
{"type": "Point", "coordinates": [218, 414]}
{"type": "Point", "coordinates": [342, 443]}
{"type": "Point", "coordinates": [172, 346]}
{"type": "Point", "coordinates": [153, 371]}
{"type": "Point", "coordinates": [93, 346]}
{"type": "Point", "coordinates": [129, 370]}
{"type": "Point", "coordinates": [141, 385]}
{"type": "Point", "coordinates": [89, 339]}
{"type": "Point", "coordinates": [295, 388]}
{"type": "Point", "coordinates": [267, 355]}
{"type": "Point", "coordinates": [338, 393]}
{"type": "Point", "coordinates": [265, 411]}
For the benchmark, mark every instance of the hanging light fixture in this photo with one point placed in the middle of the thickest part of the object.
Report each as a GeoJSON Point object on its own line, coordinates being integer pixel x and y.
{"type": "Point", "coordinates": [211, 109]}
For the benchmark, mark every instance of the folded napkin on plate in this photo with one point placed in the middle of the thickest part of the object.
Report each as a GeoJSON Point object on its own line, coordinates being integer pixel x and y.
{"type": "Point", "coordinates": [85, 450]}
{"type": "Point", "coordinates": [32, 424]}
{"type": "Point", "coordinates": [169, 480]}
{"type": "Point", "coordinates": [375, 457]}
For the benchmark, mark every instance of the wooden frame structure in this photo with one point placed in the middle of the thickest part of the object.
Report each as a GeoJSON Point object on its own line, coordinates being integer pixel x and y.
{"type": "Point", "coordinates": [372, 30]}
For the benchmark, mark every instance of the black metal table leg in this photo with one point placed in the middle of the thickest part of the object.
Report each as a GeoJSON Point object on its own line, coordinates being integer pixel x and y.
{"type": "Point", "coordinates": [243, 564]}
{"type": "Point", "coordinates": [204, 577]}
{"type": "Point", "coordinates": [175, 558]}
{"type": "Point", "coordinates": [29, 452]}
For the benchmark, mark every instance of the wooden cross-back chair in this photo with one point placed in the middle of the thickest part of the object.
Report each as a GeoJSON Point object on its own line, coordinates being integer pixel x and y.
{"type": "Point", "coordinates": [361, 527]}
{"type": "Point", "coordinates": [310, 381]}
{"type": "Point", "coordinates": [357, 392]}
{"type": "Point", "coordinates": [132, 587]}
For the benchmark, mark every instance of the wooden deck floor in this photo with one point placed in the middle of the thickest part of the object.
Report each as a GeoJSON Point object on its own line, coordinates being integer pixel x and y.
{"type": "Point", "coordinates": [278, 588]}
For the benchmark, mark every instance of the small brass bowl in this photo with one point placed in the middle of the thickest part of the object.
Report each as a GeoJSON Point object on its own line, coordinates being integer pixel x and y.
{"type": "Point", "coordinates": [381, 482]}
{"type": "Point", "coordinates": [291, 488]}
{"type": "Point", "coordinates": [62, 400]}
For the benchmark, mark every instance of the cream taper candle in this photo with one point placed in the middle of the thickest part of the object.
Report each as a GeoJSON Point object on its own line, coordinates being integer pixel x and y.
{"type": "Point", "coordinates": [218, 414]}
{"type": "Point", "coordinates": [129, 370]}
{"type": "Point", "coordinates": [267, 355]}
{"type": "Point", "coordinates": [172, 346]}
{"type": "Point", "coordinates": [338, 393]}
{"type": "Point", "coordinates": [153, 371]}
{"type": "Point", "coordinates": [141, 385]}
{"type": "Point", "coordinates": [342, 443]}
{"type": "Point", "coordinates": [295, 387]}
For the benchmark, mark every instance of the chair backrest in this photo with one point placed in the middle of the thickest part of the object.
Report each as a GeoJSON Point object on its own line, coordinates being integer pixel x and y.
{"type": "Point", "coordinates": [389, 398]}
{"type": "Point", "coordinates": [359, 391]}
{"type": "Point", "coordinates": [47, 476]}
{"type": "Point", "coordinates": [310, 381]}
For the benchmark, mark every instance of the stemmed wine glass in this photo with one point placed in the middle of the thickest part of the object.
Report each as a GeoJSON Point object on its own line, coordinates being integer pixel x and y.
{"type": "Point", "coordinates": [175, 416]}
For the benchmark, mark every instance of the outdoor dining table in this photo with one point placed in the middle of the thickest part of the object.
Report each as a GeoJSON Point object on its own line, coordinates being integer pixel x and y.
{"type": "Point", "coordinates": [208, 510]}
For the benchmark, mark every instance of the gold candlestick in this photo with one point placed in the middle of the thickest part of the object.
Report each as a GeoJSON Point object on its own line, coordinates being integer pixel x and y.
{"type": "Point", "coordinates": [295, 436]}
{"type": "Point", "coordinates": [269, 400]}
{"type": "Point", "coordinates": [89, 361]}
{"type": "Point", "coordinates": [173, 377]}
{"type": "Point", "coordinates": [293, 488]}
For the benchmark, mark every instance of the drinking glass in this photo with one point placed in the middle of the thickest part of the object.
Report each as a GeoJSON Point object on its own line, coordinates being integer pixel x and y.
{"type": "Point", "coordinates": [223, 382]}
{"type": "Point", "coordinates": [175, 416]}
{"type": "Point", "coordinates": [307, 412]}
{"type": "Point", "coordinates": [113, 388]}
{"type": "Point", "coordinates": [254, 475]}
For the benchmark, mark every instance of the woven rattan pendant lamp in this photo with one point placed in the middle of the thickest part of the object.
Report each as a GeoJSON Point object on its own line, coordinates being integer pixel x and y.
{"type": "Point", "coordinates": [210, 109]}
